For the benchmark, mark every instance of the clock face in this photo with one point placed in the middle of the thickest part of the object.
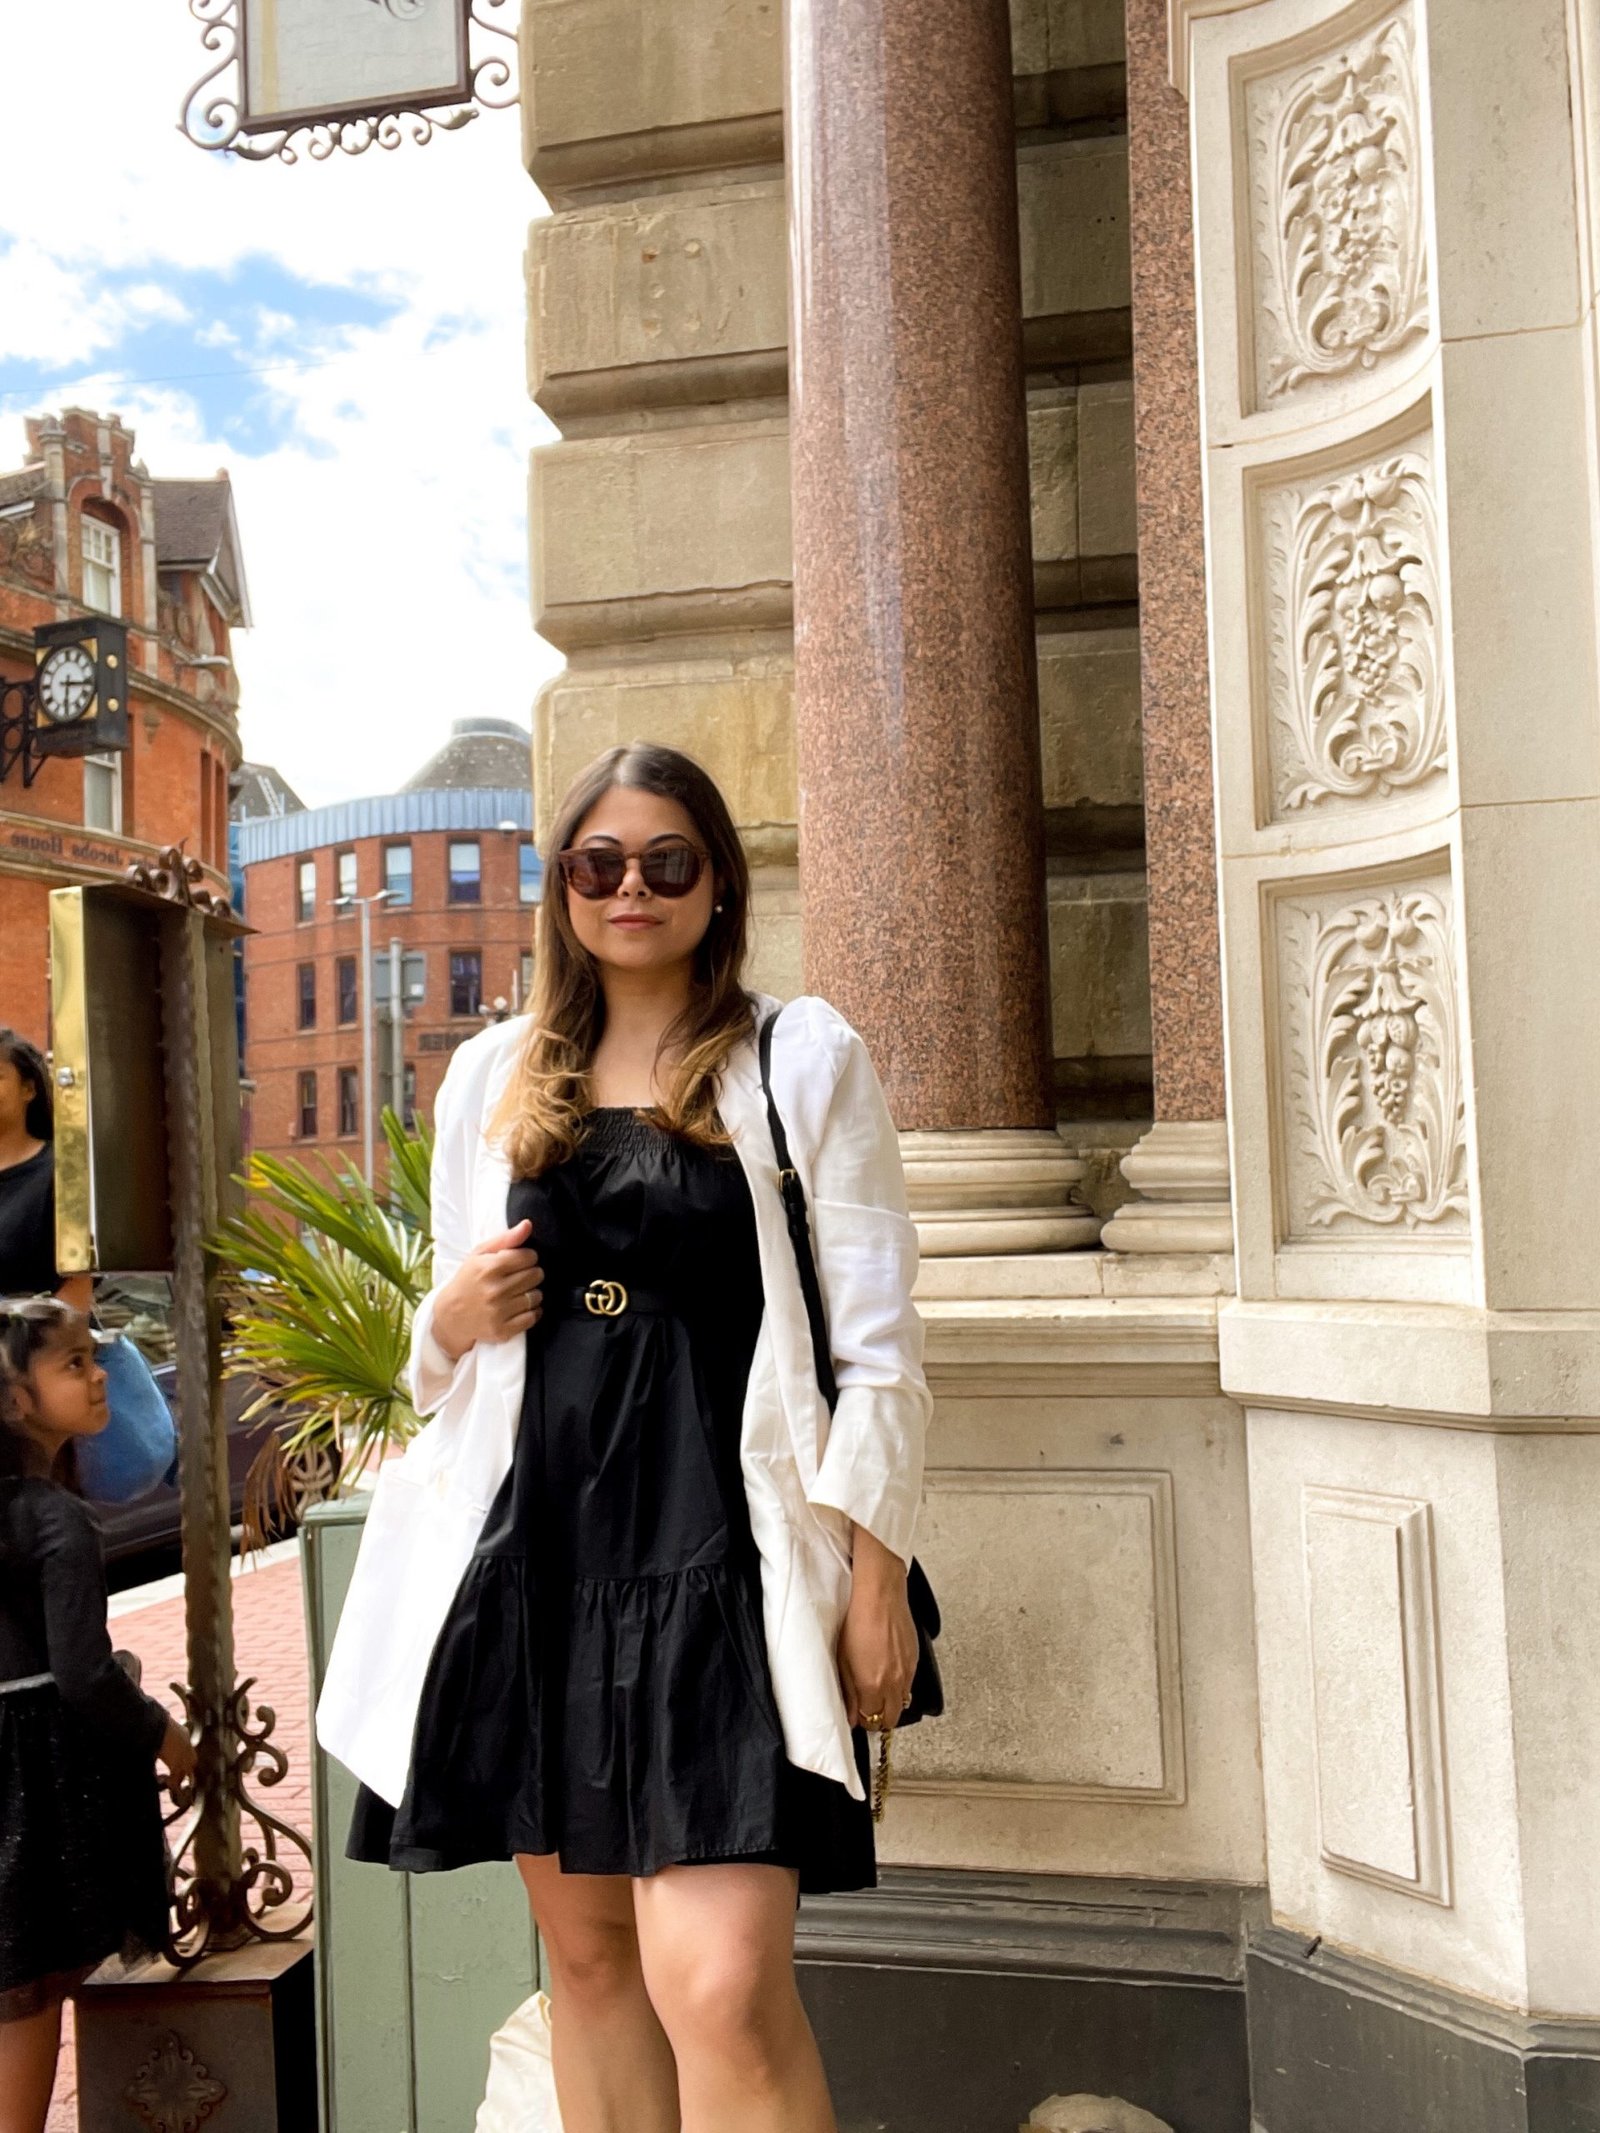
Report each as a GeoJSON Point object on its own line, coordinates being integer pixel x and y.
{"type": "Point", "coordinates": [66, 684]}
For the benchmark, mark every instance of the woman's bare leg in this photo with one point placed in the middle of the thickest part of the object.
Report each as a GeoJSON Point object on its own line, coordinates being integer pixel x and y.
{"type": "Point", "coordinates": [28, 2053]}
{"type": "Point", "coordinates": [613, 2066]}
{"type": "Point", "coordinates": [717, 1947]}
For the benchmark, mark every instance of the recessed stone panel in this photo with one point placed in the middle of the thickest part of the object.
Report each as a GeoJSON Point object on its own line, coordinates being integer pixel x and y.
{"type": "Point", "coordinates": [1061, 1661]}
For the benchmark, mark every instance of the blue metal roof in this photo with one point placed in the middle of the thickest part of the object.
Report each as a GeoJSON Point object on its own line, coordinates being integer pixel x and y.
{"type": "Point", "coordinates": [398, 814]}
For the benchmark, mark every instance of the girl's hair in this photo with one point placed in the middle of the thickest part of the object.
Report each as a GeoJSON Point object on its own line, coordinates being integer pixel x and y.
{"type": "Point", "coordinates": [40, 1118]}
{"type": "Point", "coordinates": [539, 1117]}
{"type": "Point", "coordinates": [28, 1326]}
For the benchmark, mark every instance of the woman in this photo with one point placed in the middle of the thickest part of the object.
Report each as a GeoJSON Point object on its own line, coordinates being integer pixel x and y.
{"type": "Point", "coordinates": [28, 1180]}
{"type": "Point", "coordinates": [625, 1608]}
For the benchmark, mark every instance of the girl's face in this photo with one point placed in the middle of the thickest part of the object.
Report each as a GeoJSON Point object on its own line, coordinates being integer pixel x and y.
{"type": "Point", "coordinates": [65, 1395]}
{"type": "Point", "coordinates": [634, 927]}
{"type": "Point", "coordinates": [16, 1094]}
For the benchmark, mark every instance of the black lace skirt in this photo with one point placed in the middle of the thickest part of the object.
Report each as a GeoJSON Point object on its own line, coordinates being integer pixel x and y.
{"type": "Point", "coordinates": [83, 1865]}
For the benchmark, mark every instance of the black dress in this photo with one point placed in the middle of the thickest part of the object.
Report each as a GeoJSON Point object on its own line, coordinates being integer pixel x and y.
{"type": "Point", "coordinates": [83, 1869]}
{"type": "Point", "coordinates": [28, 1226]}
{"type": "Point", "coordinates": [600, 1688]}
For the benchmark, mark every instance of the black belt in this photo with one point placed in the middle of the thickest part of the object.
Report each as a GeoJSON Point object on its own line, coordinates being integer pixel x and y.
{"type": "Point", "coordinates": [606, 1298]}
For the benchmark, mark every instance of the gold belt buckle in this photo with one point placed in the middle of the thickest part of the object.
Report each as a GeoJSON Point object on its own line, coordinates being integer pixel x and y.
{"type": "Point", "coordinates": [606, 1299]}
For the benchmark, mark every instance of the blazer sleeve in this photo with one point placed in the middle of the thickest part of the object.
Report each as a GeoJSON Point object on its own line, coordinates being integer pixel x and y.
{"type": "Point", "coordinates": [434, 1375]}
{"type": "Point", "coordinates": [866, 1249]}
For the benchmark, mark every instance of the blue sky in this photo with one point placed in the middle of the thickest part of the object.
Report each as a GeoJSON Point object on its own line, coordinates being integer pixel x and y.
{"type": "Point", "coordinates": [346, 338]}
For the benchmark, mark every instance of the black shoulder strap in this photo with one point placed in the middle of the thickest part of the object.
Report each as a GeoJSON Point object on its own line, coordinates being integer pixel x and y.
{"type": "Point", "coordinates": [794, 1208]}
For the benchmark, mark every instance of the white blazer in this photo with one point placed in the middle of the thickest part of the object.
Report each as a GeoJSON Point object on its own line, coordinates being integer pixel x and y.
{"type": "Point", "coordinates": [806, 1478]}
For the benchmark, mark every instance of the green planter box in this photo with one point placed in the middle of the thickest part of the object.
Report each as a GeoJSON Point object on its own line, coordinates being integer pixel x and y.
{"type": "Point", "coordinates": [414, 1972]}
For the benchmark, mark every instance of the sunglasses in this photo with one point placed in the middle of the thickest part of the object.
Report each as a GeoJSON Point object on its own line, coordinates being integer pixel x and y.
{"type": "Point", "coordinates": [595, 871]}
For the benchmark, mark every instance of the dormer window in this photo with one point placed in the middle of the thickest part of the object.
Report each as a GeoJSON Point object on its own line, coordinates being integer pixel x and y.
{"type": "Point", "coordinates": [102, 566]}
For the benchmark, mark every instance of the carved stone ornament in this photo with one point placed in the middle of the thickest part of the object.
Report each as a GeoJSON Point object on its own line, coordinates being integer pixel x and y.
{"type": "Point", "coordinates": [1358, 702]}
{"type": "Point", "coordinates": [1372, 1033]}
{"type": "Point", "coordinates": [172, 2092]}
{"type": "Point", "coordinates": [1337, 206]}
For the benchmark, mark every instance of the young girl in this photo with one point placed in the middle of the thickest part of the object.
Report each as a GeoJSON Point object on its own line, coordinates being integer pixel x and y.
{"type": "Point", "coordinates": [82, 1862]}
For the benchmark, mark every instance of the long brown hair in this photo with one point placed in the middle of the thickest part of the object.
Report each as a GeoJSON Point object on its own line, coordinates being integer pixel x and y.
{"type": "Point", "coordinates": [539, 1119]}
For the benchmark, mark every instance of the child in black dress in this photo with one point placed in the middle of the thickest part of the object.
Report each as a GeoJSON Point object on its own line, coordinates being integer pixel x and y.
{"type": "Point", "coordinates": [82, 1858]}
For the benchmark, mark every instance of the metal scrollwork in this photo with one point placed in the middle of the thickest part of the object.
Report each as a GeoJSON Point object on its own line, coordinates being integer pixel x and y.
{"type": "Point", "coordinates": [257, 1903]}
{"type": "Point", "coordinates": [178, 879]}
{"type": "Point", "coordinates": [213, 114]}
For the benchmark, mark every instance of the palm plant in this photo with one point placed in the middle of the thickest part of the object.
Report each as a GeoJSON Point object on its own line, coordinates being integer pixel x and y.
{"type": "Point", "coordinates": [325, 1274]}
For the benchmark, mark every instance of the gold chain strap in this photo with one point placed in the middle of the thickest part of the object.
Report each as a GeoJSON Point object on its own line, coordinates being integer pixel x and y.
{"type": "Point", "coordinates": [881, 1776]}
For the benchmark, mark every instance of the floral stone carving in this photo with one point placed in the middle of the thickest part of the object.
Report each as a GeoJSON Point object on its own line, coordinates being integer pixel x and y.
{"type": "Point", "coordinates": [1338, 211]}
{"type": "Point", "coordinates": [172, 2092]}
{"type": "Point", "coordinates": [1359, 706]}
{"type": "Point", "coordinates": [1377, 1126]}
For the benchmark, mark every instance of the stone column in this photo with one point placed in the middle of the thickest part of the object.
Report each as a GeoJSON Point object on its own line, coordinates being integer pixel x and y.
{"type": "Point", "coordinates": [916, 701]}
{"type": "Point", "coordinates": [1180, 1168]}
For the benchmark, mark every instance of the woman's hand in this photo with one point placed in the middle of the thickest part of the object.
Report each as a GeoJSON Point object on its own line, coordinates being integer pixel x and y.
{"type": "Point", "coordinates": [878, 1643]}
{"type": "Point", "coordinates": [176, 1755]}
{"type": "Point", "coordinates": [493, 1295]}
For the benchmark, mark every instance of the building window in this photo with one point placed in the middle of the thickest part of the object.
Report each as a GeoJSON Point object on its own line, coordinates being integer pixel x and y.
{"type": "Point", "coordinates": [413, 969]}
{"type": "Point", "coordinates": [102, 566]}
{"type": "Point", "coordinates": [306, 891]}
{"type": "Point", "coordinates": [397, 874]}
{"type": "Point", "coordinates": [345, 863]}
{"type": "Point", "coordinates": [345, 974]}
{"type": "Point", "coordinates": [102, 792]}
{"type": "Point", "coordinates": [528, 873]}
{"type": "Point", "coordinates": [466, 873]}
{"type": "Point", "coordinates": [466, 980]}
{"type": "Point", "coordinates": [408, 1116]}
{"type": "Point", "coordinates": [308, 995]}
{"type": "Point", "coordinates": [525, 978]}
{"type": "Point", "coordinates": [349, 1101]}
{"type": "Point", "coordinates": [308, 1107]}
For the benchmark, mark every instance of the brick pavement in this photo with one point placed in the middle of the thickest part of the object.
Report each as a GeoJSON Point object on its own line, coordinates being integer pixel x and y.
{"type": "Point", "coordinates": [269, 1643]}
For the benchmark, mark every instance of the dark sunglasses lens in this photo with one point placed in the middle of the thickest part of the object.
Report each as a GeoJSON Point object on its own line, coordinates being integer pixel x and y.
{"type": "Point", "coordinates": [593, 874]}
{"type": "Point", "coordinates": [671, 869]}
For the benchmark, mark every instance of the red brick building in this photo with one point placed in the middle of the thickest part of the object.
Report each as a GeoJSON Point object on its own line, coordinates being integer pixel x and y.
{"type": "Point", "coordinates": [452, 858]}
{"type": "Point", "coordinates": [84, 529]}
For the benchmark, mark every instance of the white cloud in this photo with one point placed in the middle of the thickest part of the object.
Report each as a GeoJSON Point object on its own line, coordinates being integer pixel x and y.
{"type": "Point", "coordinates": [385, 536]}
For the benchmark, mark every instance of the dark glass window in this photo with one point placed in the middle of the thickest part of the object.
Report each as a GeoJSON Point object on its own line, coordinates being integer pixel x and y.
{"type": "Point", "coordinates": [466, 873]}
{"type": "Point", "coordinates": [346, 973]}
{"type": "Point", "coordinates": [306, 891]}
{"type": "Point", "coordinates": [466, 980]}
{"type": "Point", "coordinates": [397, 874]}
{"type": "Point", "coordinates": [349, 1103]}
{"type": "Point", "coordinates": [409, 1115]}
{"type": "Point", "coordinates": [308, 1107]}
{"type": "Point", "coordinates": [308, 995]}
{"type": "Point", "coordinates": [528, 873]}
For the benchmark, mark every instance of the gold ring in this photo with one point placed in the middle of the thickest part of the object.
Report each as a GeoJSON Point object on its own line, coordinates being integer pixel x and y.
{"type": "Point", "coordinates": [872, 1718]}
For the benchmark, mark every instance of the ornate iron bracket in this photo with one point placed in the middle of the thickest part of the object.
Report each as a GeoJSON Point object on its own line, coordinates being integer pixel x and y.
{"type": "Point", "coordinates": [213, 114]}
{"type": "Point", "coordinates": [17, 730]}
{"type": "Point", "coordinates": [179, 880]}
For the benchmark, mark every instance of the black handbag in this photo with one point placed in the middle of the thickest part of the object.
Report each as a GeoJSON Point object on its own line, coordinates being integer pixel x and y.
{"type": "Point", "coordinates": [927, 1690]}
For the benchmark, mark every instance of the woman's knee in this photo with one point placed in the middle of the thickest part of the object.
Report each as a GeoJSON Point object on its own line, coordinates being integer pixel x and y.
{"type": "Point", "coordinates": [729, 2004]}
{"type": "Point", "coordinates": [594, 1954]}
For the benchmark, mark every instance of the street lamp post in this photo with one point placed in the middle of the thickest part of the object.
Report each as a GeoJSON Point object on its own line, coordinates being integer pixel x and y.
{"type": "Point", "coordinates": [342, 903]}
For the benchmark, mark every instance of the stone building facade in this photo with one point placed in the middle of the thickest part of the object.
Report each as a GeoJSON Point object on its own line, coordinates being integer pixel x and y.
{"type": "Point", "coordinates": [84, 528]}
{"type": "Point", "coordinates": [451, 864]}
{"type": "Point", "coordinates": [1175, 599]}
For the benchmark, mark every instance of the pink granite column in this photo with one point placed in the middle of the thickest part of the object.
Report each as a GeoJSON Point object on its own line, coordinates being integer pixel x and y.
{"type": "Point", "coordinates": [1180, 1169]}
{"type": "Point", "coordinates": [1180, 832]}
{"type": "Point", "coordinates": [921, 846]}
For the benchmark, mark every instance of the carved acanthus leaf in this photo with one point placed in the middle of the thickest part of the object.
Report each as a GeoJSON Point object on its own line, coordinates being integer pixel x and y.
{"type": "Point", "coordinates": [1374, 1063]}
{"type": "Point", "coordinates": [1360, 705]}
{"type": "Point", "coordinates": [1339, 211]}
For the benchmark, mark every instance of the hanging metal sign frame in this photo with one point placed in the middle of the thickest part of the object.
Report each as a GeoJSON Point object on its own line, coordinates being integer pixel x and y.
{"type": "Point", "coordinates": [240, 105]}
